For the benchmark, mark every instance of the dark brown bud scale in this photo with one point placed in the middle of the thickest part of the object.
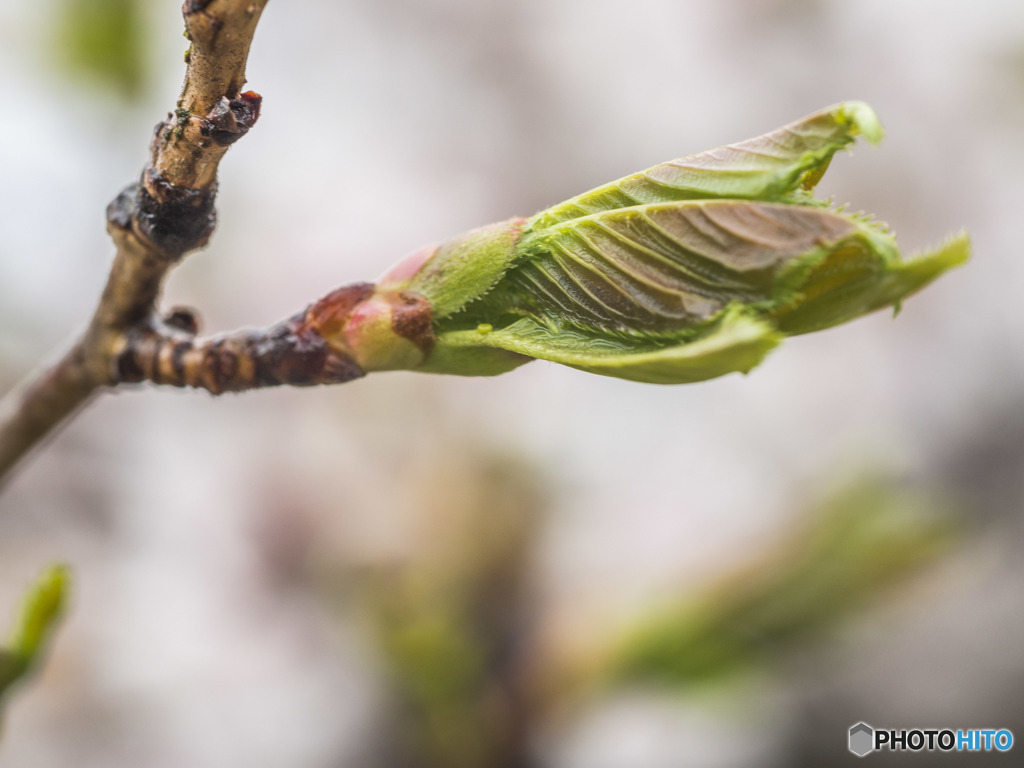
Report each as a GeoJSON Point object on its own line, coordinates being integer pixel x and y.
{"type": "Point", "coordinates": [184, 319]}
{"type": "Point", "coordinates": [412, 319]}
{"type": "Point", "coordinates": [230, 120]}
{"type": "Point", "coordinates": [329, 315]}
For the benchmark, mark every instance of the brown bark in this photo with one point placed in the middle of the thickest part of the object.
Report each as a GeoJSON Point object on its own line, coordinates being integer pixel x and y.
{"type": "Point", "coordinates": [291, 352]}
{"type": "Point", "coordinates": [153, 224]}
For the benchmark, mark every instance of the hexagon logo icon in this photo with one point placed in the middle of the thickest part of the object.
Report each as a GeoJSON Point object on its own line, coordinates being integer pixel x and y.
{"type": "Point", "coordinates": [862, 739]}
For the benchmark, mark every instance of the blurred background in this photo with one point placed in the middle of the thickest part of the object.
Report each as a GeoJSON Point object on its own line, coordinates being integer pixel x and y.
{"type": "Point", "coordinates": [547, 569]}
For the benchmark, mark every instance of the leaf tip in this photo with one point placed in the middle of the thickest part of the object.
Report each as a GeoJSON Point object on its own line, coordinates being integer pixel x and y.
{"type": "Point", "coordinates": [862, 119]}
{"type": "Point", "coordinates": [954, 252]}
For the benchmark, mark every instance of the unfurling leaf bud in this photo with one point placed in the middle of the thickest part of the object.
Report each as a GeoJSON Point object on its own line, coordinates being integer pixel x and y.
{"type": "Point", "coordinates": [686, 271]}
{"type": "Point", "coordinates": [43, 607]}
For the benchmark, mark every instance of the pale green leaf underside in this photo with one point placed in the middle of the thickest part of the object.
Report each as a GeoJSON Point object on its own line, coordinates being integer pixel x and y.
{"type": "Point", "coordinates": [769, 167]}
{"type": "Point", "coordinates": [737, 343]}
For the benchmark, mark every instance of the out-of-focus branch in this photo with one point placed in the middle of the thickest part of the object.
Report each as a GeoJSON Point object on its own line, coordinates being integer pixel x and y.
{"type": "Point", "coordinates": [153, 223]}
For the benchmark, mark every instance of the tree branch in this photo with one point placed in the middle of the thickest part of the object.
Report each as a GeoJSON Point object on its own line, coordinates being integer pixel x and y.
{"type": "Point", "coordinates": [153, 223]}
{"type": "Point", "coordinates": [291, 352]}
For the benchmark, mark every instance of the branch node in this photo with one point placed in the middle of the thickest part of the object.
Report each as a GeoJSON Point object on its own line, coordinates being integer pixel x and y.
{"type": "Point", "coordinates": [184, 319]}
{"type": "Point", "coordinates": [172, 218]}
{"type": "Point", "coordinates": [194, 6]}
{"type": "Point", "coordinates": [231, 119]}
{"type": "Point", "coordinates": [122, 208]}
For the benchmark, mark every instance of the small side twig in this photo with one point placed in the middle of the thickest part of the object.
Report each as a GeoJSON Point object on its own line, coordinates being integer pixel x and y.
{"type": "Point", "coordinates": [153, 223]}
{"type": "Point", "coordinates": [291, 352]}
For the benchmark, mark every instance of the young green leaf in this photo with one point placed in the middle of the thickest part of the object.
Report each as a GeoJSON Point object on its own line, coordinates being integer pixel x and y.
{"type": "Point", "coordinates": [736, 342]}
{"type": "Point", "coordinates": [43, 606]}
{"type": "Point", "coordinates": [686, 271]}
{"type": "Point", "coordinates": [774, 166]}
